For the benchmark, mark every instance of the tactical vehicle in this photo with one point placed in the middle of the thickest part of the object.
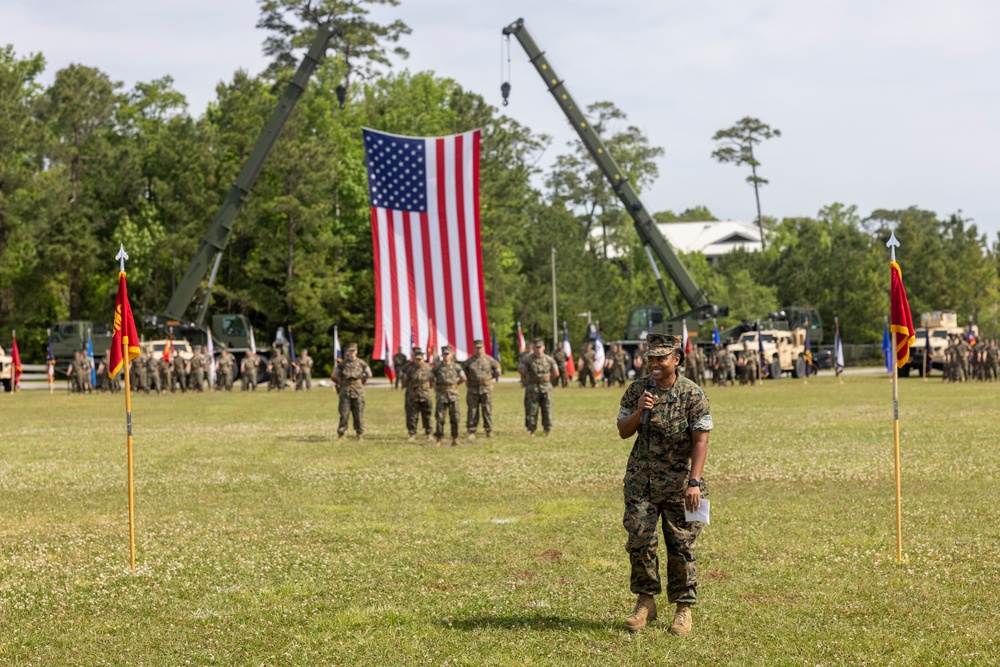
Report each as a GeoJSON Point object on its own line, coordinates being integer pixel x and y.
{"type": "Point", "coordinates": [154, 348]}
{"type": "Point", "coordinates": [935, 326]}
{"type": "Point", "coordinates": [788, 345]}
{"type": "Point", "coordinates": [69, 337]}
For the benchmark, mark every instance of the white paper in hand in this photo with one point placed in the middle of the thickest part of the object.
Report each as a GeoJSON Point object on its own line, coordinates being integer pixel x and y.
{"type": "Point", "coordinates": [700, 514]}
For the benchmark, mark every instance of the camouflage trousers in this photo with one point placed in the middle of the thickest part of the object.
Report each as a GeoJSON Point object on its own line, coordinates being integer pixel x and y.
{"type": "Point", "coordinates": [197, 379]}
{"type": "Point", "coordinates": [304, 380]}
{"type": "Point", "coordinates": [225, 380]}
{"type": "Point", "coordinates": [446, 408]}
{"type": "Point", "coordinates": [479, 403]}
{"type": "Point", "coordinates": [563, 376]}
{"type": "Point", "coordinates": [417, 409]}
{"type": "Point", "coordinates": [535, 399]}
{"type": "Point", "coordinates": [351, 406]}
{"type": "Point", "coordinates": [679, 536]}
{"type": "Point", "coordinates": [584, 374]}
{"type": "Point", "coordinates": [153, 382]}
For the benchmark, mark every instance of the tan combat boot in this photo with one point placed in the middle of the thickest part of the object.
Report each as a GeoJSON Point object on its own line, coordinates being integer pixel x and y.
{"type": "Point", "coordinates": [411, 438]}
{"type": "Point", "coordinates": [454, 442]}
{"type": "Point", "coordinates": [361, 437]}
{"type": "Point", "coordinates": [682, 620]}
{"type": "Point", "coordinates": [489, 435]}
{"type": "Point", "coordinates": [471, 436]}
{"type": "Point", "coordinates": [547, 433]}
{"type": "Point", "coordinates": [437, 442]}
{"type": "Point", "coordinates": [645, 610]}
{"type": "Point", "coordinates": [340, 438]}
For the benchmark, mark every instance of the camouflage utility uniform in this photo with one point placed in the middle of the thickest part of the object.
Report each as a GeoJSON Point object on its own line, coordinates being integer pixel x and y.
{"type": "Point", "coordinates": [447, 376]}
{"type": "Point", "coordinates": [224, 370]}
{"type": "Point", "coordinates": [655, 481]}
{"type": "Point", "coordinates": [305, 372]}
{"type": "Point", "coordinates": [480, 370]}
{"type": "Point", "coordinates": [351, 375]}
{"type": "Point", "coordinates": [537, 372]}
{"type": "Point", "coordinates": [248, 371]}
{"type": "Point", "coordinates": [418, 382]}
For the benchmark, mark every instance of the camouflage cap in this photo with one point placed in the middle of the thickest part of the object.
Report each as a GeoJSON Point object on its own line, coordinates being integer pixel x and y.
{"type": "Point", "coordinates": [417, 352]}
{"type": "Point", "coordinates": [538, 342]}
{"type": "Point", "coordinates": [446, 349]}
{"type": "Point", "coordinates": [478, 343]}
{"type": "Point", "coordinates": [660, 345]}
{"type": "Point", "coordinates": [352, 347]}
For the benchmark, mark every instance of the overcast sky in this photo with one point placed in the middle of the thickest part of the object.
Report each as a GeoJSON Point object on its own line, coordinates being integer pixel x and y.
{"type": "Point", "coordinates": [882, 104]}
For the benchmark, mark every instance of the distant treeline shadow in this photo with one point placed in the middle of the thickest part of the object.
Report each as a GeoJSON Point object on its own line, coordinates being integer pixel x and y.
{"type": "Point", "coordinates": [525, 622]}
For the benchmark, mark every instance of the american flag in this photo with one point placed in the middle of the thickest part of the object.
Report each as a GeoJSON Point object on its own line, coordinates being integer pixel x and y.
{"type": "Point", "coordinates": [425, 230]}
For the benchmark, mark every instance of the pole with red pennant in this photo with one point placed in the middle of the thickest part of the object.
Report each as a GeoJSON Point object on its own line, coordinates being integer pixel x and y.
{"type": "Point", "coordinates": [125, 348]}
{"type": "Point", "coordinates": [903, 336]}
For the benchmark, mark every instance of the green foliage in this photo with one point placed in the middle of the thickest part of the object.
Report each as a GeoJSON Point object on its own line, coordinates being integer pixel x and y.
{"type": "Point", "coordinates": [696, 214]}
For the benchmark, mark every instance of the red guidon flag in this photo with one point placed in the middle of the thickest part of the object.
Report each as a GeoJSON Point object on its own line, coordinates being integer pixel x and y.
{"type": "Point", "coordinates": [901, 322]}
{"type": "Point", "coordinates": [424, 194]}
{"type": "Point", "coordinates": [124, 330]}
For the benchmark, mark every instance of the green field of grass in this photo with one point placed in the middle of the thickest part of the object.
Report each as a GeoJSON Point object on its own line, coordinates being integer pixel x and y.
{"type": "Point", "coordinates": [263, 541]}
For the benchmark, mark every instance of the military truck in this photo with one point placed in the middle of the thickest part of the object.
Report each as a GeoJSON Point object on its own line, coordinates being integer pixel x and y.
{"type": "Point", "coordinates": [935, 326]}
{"type": "Point", "coordinates": [787, 344]}
{"type": "Point", "coordinates": [69, 337]}
{"type": "Point", "coordinates": [154, 348]}
{"type": "Point", "coordinates": [6, 370]}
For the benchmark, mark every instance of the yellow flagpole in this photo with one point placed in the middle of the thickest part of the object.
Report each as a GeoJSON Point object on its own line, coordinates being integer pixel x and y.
{"type": "Point", "coordinates": [128, 445]}
{"type": "Point", "coordinates": [892, 245]}
{"type": "Point", "coordinates": [895, 445]}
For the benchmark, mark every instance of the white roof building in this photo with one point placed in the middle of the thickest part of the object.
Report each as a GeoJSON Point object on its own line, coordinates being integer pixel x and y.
{"type": "Point", "coordinates": [712, 239]}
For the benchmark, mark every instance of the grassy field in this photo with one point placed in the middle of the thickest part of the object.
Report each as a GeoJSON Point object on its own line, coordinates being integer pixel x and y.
{"type": "Point", "coordinates": [263, 541]}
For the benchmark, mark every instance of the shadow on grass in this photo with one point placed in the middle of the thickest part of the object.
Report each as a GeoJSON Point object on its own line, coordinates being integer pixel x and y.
{"type": "Point", "coordinates": [525, 622]}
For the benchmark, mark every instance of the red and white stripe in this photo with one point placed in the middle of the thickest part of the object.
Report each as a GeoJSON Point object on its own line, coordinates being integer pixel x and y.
{"type": "Point", "coordinates": [429, 266]}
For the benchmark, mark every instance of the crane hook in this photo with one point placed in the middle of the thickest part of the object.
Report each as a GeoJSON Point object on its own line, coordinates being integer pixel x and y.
{"type": "Point", "coordinates": [505, 91]}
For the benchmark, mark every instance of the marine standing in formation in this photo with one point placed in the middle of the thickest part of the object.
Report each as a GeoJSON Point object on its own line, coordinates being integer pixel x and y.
{"type": "Point", "coordinates": [559, 354]}
{"type": "Point", "coordinates": [305, 371]}
{"type": "Point", "coordinates": [399, 362]}
{"type": "Point", "coordinates": [224, 370]}
{"type": "Point", "coordinates": [448, 375]}
{"type": "Point", "coordinates": [538, 370]}
{"type": "Point", "coordinates": [587, 360]}
{"type": "Point", "coordinates": [277, 369]}
{"type": "Point", "coordinates": [350, 376]}
{"type": "Point", "coordinates": [248, 371]}
{"type": "Point", "coordinates": [662, 479]}
{"type": "Point", "coordinates": [480, 371]}
{"type": "Point", "coordinates": [417, 382]}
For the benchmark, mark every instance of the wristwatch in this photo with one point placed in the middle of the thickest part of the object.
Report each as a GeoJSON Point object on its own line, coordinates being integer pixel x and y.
{"type": "Point", "coordinates": [694, 482]}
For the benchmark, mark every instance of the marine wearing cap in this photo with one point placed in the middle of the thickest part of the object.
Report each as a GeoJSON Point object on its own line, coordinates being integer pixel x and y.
{"type": "Point", "coordinates": [417, 352]}
{"type": "Point", "coordinates": [478, 343]}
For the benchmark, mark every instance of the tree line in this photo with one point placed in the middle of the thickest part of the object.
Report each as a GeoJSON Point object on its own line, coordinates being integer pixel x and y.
{"type": "Point", "coordinates": [86, 164]}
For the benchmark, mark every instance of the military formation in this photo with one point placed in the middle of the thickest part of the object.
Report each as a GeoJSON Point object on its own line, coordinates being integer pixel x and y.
{"type": "Point", "coordinates": [965, 362]}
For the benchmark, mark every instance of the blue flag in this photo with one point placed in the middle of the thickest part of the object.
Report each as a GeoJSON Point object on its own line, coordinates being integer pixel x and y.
{"type": "Point", "coordinates": [496, 344]}
{"type": "Point", "coordinates": [886, 348]}
{"type": "Point", "coordinates": [715, 334]}
{"type": "Point", "coordinates": [90, 356]}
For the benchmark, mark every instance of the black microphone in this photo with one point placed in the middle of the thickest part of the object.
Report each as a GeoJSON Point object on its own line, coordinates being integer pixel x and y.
{"type": "Point", "coordinates": [650, 386]}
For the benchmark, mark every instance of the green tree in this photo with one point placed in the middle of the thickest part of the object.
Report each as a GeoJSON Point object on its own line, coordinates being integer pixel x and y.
{"type": "Point", "coordinates": [736, 146]}
{"type": "Point", "coordinates": [577, 180]}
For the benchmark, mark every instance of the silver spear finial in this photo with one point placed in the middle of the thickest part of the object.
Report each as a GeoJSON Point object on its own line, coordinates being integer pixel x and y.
{"type": "Point", "coordinates": [122, 256]}
{"type": "Point", "coordinates": [892, 244]}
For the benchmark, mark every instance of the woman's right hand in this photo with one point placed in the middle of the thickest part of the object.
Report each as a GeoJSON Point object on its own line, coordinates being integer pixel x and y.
{"type": "Point", "coordinates": [646, 401]}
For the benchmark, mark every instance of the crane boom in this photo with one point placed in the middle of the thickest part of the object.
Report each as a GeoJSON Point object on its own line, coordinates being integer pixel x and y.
{"type": "Point", "coordinates": [217, 236]}
{"type": "Point", "coordinates": [650, 236]}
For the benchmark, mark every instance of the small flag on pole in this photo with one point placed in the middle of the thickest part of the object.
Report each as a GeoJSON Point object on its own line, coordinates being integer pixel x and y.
{"type": "Point", "coordinates": [715, 333]}
{"type": "Point", "coordinates": [685, 338]}
{"type": "Point", "coordinates": [568, 349]}
{"type": "Point", "coordinates": [521, 347]}
{"type": "Point", "coordinates": [124, 348]}
{"type": "Point", "coordinates": [838, 350]}
{"type": "Point", "coordinates": [338, 355]}
{"type": "Point", "coordinates": [431, 343]}
{"type": "Point", "coordinates": [598, 357]}
{"type": "Point", "coordinates": [496, 345]}
{"type": "Point", "coordinates": [807, 356]}
{"type": "Point", "coordinates": [902, 322]}
{"type": "Point", "coordinates": [125, 338]}
{"type": "Point", "coordinates": [16, 362]}
{"type": "Point", "coordinates": [90, 358]}
{"type": "Point", "coordinates": [50, 359]}
{"type": "Point", "coordinates": [212, 373]}
{"type": "Point", "coordinates": [390, 370]}
{"type": "Point", "coordinates": [887, 347]}
{"type": "Point", "coordinates": [972, 334]}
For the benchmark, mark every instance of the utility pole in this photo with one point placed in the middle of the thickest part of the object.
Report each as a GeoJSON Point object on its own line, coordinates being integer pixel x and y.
{"type": "Point", "coordinates": [555, 320]}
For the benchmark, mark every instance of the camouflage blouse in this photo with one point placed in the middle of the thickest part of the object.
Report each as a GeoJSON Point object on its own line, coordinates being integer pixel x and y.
{"type": "Point", "coordinates": [538, 372]}
{"type": "Point", "coordinates": [352, 374]}
{"type": "Point", "coordinates": [480, 372]}
{"type": "Point", "coordinates": [447, 377]}
{"type": "Point", "coordinates": [420, 382]}
{"type": "Point", "coordinates": [661, 455]}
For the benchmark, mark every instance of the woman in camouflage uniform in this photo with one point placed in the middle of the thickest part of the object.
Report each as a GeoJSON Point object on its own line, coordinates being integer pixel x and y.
{"type": "Point", "coordinates": [662, 479]}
